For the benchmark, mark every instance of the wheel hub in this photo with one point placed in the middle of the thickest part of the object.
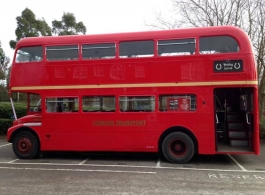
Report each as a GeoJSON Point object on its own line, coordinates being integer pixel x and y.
{"type": "Point", "coordinates": [24, 145]}
{"type": "Point", "coordinates": [178, 147]}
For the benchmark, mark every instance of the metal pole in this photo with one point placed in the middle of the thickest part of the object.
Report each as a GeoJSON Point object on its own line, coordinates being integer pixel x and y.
{"type": "Point", "coordinates": [13, 108]}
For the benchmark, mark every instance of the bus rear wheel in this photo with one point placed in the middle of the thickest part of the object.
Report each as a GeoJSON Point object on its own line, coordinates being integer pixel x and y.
{"type": "Point", "coordinates": [178, 147]}
{"type": "Point", "coordinates": [25, 145]}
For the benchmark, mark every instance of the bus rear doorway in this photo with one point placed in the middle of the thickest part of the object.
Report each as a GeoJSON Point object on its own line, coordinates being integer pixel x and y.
{"type": "Point", "coordinates": [234, 119]}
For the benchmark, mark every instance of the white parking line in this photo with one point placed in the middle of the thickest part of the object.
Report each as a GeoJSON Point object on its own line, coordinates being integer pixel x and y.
{"type": "Point", "coordinates": [78, 170]}
{"type": "Point", "coordinates": [5, 145]}
{"type": "Point", "coordinates": [240, 166]}
{"type": "Point", "coordinates": [13, 161]}
{"type": "Point", "coordinates": [158, 163]}
{"type": "Point", "coordinates": [83, 161]}
{"type": "Point", "coordinates": [147, 167]}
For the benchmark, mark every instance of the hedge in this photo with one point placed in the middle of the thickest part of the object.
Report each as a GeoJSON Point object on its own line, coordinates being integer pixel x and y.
{"type": "Point", "coordinates": [4, 125]}
{"type": "Point", "coordinates": [7, 113]}
{"type": "Point", "coordinates": [7, 116]}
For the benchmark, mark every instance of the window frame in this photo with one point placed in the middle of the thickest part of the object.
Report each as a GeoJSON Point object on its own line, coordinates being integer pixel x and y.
{"type": "Point", "coordinates": [136, 56]}
{"type": "Point", "coordinates": [101, 103]}
{"type": "Point", "coordinates": [218, 53]}
{"type": "Point", "coordinates": [42, 52]}
{"type": "Point", "coordinates": [56, 105]}
{"type": "Point", "coordinates": [193, 100]}
{"type": "Point", "coordinates": [133, 110]}
{"type": "Point", "coordinates": [99, 43]}
{"type": "Point", "coordinates": [32, 105]}
{"type": "Point", "coordinates": [176, 39]}
{"type": "Point", "coordinates": [61, 45]}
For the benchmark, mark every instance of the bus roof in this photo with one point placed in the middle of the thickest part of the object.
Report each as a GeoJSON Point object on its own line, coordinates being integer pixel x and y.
{"type": "Point", "coordinates": [158, 34]}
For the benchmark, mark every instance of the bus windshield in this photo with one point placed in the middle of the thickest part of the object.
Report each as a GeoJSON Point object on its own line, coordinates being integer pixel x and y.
{"type": "Point", "coordinates": [34, 103]}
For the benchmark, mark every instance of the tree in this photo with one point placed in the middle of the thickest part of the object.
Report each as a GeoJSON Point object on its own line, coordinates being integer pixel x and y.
{"type": "Point", "coordinates": [4, 61]}
{"type": "Point", "coordinates": [68, 26]}
{"type": "Point", "coordinates": [29, 26]}
{"type": "Point", "coordinates": [246, 14]}
{"type": "Point", "coordinates": [8, 77]}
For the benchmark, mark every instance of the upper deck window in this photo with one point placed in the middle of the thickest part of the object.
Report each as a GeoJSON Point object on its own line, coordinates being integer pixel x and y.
{"type": "Point", "coordinates": [176, 47]}
{"type": "Point", "coordinates": [134, 49]}
{"type": "Point", "coordinates": [218, 44]}
{"type": "Point", "coordinates": [29, 54]}
{"type": "Point", "coordinates": [65, 52]}
{"type": "Point", "coordinates": [98, 51]}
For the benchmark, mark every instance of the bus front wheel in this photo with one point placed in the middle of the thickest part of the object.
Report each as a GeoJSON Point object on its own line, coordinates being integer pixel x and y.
{"type": "Point", "coordinates": [178, 147]}
{"type": "Point", "coordinates": [25, 145]}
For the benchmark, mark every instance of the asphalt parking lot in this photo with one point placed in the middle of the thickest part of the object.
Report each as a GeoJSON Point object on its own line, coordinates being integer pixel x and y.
{"type": "Point", "coordinates": [121, 173]}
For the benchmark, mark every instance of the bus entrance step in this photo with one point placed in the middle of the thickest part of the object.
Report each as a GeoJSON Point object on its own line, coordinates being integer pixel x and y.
{"type": "Point", "coordinates": [237, 134]}
{"type": "Point", "coordinates": [233, 117]}
{"type": "Point", "coordinates": [235, 125]}
{"type": "Point", "coordinates": [235, 142]}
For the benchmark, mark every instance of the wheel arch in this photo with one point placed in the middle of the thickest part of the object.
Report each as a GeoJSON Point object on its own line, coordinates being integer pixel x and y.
{"type": "Point", "coordinates": [178, 129]}
{"type": "Point", "coordinates": [27, 129]}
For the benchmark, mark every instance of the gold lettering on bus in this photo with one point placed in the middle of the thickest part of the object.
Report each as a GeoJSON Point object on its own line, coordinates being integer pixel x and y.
{"type": "Point", "coordinates": [103, 123]}
{"type": "Point", "coordinates": [119, 123]}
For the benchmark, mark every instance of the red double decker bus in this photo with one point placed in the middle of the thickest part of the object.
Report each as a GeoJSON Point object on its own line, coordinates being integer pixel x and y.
{"type": "Point", "coordinates": [177, 92]}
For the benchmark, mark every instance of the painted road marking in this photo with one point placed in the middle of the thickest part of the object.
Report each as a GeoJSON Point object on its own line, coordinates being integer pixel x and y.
{"type": "Point", "coordinates": [84, 161]}
{"type": "Point", "coordinates": [131, 166]}
{"type": "Point", "coordinates": [77, 170]}
{"type": "Point", "coordinates": [237, 163]}
{"type": "Point", "coordinates": [158, 163]}
{"type": "Point", "coordinates": [13, 161]}
{"type": "Point", "coordinates": [5, 145]}
{"type": "Point", "coordinates": [236, 176]}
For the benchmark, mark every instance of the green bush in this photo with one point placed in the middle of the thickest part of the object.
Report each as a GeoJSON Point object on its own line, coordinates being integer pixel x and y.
{"type": "Point", "coordinates": [7, 113]}
{"type": "Point", "coordinates": [4, 125]}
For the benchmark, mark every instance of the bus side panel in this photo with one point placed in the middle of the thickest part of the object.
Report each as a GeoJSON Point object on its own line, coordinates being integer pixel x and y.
{"type": "Point", "coordinates": [204, 126]}
{"type": "Point", "coordinates": [61, 131]}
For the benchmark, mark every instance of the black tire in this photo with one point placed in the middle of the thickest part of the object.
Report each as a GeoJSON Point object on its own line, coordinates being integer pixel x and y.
{"type": "Point", "coordinates": [178, 147]}
{"type": "Point", "coordinates": [25, 145]}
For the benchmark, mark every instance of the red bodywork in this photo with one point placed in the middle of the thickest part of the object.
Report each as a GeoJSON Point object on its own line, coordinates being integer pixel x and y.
{"type": "Point", "coordinates": [82, 131]}
{"type": "Point", "coordinates": [30, 121]}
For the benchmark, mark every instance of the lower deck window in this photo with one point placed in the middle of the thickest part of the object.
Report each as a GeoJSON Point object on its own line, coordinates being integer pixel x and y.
{"type": "Point", "coordinates": [177, 102]}
{"type": "Point", "coordinates": [62, 104]}
{"type": "Point", "coordinates": [98, 104]}
{"type": "Point", "coordinates": [137, 103]}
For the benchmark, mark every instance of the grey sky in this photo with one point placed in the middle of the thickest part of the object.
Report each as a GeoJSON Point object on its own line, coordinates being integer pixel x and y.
{"type": "Point", "coordinates": [99, 16]}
